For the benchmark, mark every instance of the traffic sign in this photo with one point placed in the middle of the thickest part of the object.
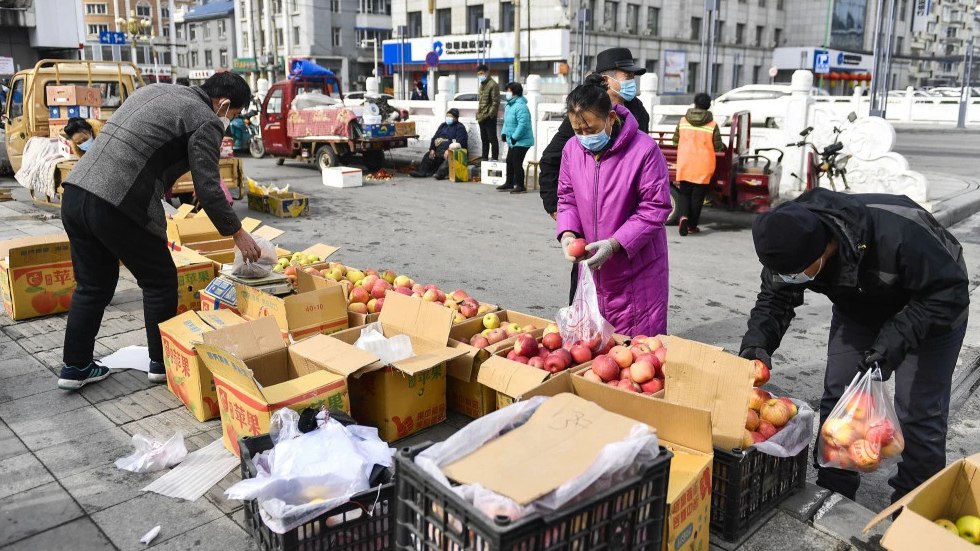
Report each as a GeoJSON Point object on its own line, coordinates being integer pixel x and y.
{"type": "Point", "coordinates": [821, 62]}
{"type": "Point", "coordinates": [773, 71]}
{"type": "Point", "coordinates": [110, 37]}
{"type": "Point", "coordinates": [432, 59]}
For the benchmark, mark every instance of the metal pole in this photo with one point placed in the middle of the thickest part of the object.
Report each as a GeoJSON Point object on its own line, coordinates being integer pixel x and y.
{"type": "Point", "coordinates": [517, 41]}
{"type": "Point", "coordinates": [528, 37]}
{"type": "Point", "coordinates": [377, 77]}
{"type": "Point", "coordinates": [431, 84]}
{"type": "Point", "coordinates": [711, 6]}
{"type": "Point", "coordinates": [887, 63]}
{"type": "Point", "coordinates": [875, 108]}
{"type": "Point", "coordinates": [826, 38]}
{"type": "Point", "coordinates": [401, 56]}
{"type": "Point", "coordinates": [965, 88]}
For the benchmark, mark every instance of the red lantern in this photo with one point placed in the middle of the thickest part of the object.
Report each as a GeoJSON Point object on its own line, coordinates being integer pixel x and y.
{"type": "Point", "coordinates": [848, 76]}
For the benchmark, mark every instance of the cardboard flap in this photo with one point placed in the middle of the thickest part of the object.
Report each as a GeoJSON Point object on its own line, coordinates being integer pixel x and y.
{"type": "Point", "coordinates": [416, 318]}
{"type": "Point", "coordinates": [219, 319]}
{"type": "Point", "coordinates": [248, 340]}
{"type": "Point", "coordinates": [187, 327]}
{"type": "Point", "coordinates": [315, 307]}
{"type": "Point", "coordinates": [566, 429]}
{"type": "Point", "coordinates": [306, 282]}
{"type": "Point", "coordinates": [255, 304]}
{"type": "Point", "coordinates": [183, 211]}
{"type": "Point", "coordinates": [193, 230]}
{"type": "Point", "coordinates": [267, 232]}
{"type": "Point", "coordinates": [288, 392]}
{"type": "Point", "coordinates": [28, 251]}
{"type": "Point", "coordinates": [321, 250]}
{"type": "Point", "coordinates": [327, 353]}
{"type": "Point", "coordinates": [511, 378]}
{"type": "Point", "coordinates": [249, 224]}
{"type": "Point", "coordinates": [462, 367]}
{"type": "Point", "coordinates": [184, 257]}
{"type": "Point", "coordinates": [426, 357]}
{"type": "Point", "coordinates": [225, 366]}
{"type": "Point", "coordinates": [699, 375]}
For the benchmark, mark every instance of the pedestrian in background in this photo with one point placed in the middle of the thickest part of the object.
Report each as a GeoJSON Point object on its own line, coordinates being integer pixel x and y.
{"type": "Point", "coordinates": [614, 191]}
{"type": "Point", "coordinates": [696, 137]}
{"type": "Point", "coordinates": [518, 136]}
{"type": "Point", "coordinates": [486, 113]}
{"type": "Point", "coordinates": [419, 93]}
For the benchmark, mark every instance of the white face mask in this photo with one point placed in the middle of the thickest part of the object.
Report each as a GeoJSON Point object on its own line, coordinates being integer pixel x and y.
{"type": "Point", "coordinates": [225, 121]}
{"type": "Point", "coordinates": [801, 277]}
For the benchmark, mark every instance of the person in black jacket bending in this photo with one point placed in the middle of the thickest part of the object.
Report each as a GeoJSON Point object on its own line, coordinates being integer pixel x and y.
{"type": "Point", "coordinates": [446, 134]}
{"type": "Point", "coordinates": [899, 287]}
{"type": "Point", "coordinates": [617, 67]}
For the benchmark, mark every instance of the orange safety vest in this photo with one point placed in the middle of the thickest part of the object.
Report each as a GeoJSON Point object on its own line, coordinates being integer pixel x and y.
{"type": "Point", "coordinates": [695, 152]}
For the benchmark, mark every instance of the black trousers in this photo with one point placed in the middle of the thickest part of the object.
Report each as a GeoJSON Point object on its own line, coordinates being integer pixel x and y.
{"type": "Point", "coordinates": [429, 166]}
{"type": "Point", "coordinates": [488, 137]}
{"type": "Point", "coordinates": [101, 236]}
{"type": "Point", "coordinates": [692, 199]}
{"type": "Point", "coordinates": [515, 166]}
{"type": "Point", "coordinates": [922, 390]}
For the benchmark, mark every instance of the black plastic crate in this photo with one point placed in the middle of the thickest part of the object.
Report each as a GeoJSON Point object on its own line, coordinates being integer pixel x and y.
{"type": "Point", "coordinates": [348, 527]}
{"type": "Point", "coordinates": [629, 516]}
{"type": "Point", "coordinates": [747, 485]}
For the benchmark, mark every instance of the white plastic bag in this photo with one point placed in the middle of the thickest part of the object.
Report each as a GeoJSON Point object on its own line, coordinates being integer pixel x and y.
{"type": "Point", "coordinates": [582, 320]}
{"type": "Point", "coordinates": [388, 350]}
{"type": "Point", "coordinates": [792, 438]}
{"type": "Point", "coordinates": [152, 455]}
{"type": "Point", "coordinates": [261, 267]}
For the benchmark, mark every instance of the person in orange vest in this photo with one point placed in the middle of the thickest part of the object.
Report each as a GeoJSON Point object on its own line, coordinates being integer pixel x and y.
{"type": "Point", "coordinates": [697, 138]}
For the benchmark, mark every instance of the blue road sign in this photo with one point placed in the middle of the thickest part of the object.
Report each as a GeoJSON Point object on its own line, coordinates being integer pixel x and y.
{"type": "Point", "coordinates": [432, 59]}
{"type": "Point", "coordinates": [110, 37]}
{"type": "Point", "coordinates": [821, 62]}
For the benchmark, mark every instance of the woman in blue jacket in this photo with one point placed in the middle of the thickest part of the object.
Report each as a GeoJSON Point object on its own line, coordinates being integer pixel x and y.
{"type": "Point", "coordinates": [447, 133]}
{"type": "Point", "coordinates": [518, 136]}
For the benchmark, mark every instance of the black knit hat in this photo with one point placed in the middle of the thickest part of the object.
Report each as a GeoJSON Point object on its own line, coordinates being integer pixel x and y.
{"type": "Point", "coordinates": [789, 238]}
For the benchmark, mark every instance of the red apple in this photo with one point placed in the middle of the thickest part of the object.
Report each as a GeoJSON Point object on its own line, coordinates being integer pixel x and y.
{"type": "Point", "coordinates": [622, 355]}
{"type": "Point", "coordinates": [555, 362]}
{"type": "Point", "coordinates": [627, 384]}
{"type": "Point", "coordinates": [512, 355]}
{"type": "Point", "coordinates": [757, 397]}
{"type": "Point", "coordinates": [469, 309]}
{"type": "Point", "coordinates": [658, 370]}
{"type": "Point", "coordinates": [380, 288]}
{"type": "Point", "coordinates": [642, 371]}
{"type": "Point", "coordinates": [565, 355]}
{"type": "Point", "coordinates": [793, 410]}
{"type": "Point", "coordinates": [525, 345]}
{"type": "Point", "coordinates": [757, 436]}
{"type": "Point", "coordinates": [654, 343]}
{"type": "Point", "coordinates": [577, 247]}
{"type": "Point", "coordinates": [359, 295]}
{"type": "Point", "coordinates": [752, 420]}
{"type": "Point", "coordinates": [543, 352]}
{"type": "Point", "coordinates": [661, 354]}
{"type": "Point", "coordinates": [761, 373]}
{"type": "Point", "coordinates": [580, 353]}
{"type": "Point", "coordinates": [766, 429]}
{"type": "Point", "coordinates": [652, 386]}
{"type": "Point", "coordinates": [379, 305]}
{"type": "Point", "coordinates": [479, 341]}
{"type": "Point", "coordinates": [537, 362]}
{"type": "Point", "coordinates": [358, 308]}
{"type": "Point", "coordinates": [496, 335]}
{"type": "Point", "coordinates": [606, 367]}
{"type": "Point", "coordinates": [551, 341]}
{"type": "Point", "coordinates": [522, 359]}
{"type": "Point", "coordinates": [625, 374]}
{"type": "Point", "coordinates": [404, 290]}
{"type": "Point", "coordinates": [639, 349]}
{"type": "Point", "coordinates": [591, 376]}
{"type": "Point", "coordinates": [776, 412]}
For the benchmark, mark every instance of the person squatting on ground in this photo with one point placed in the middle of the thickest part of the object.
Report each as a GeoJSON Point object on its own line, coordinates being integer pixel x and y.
{"type": "Point", "coordinates": [614, 190]}
{"type": "Point", "coordinates": [696, 137]}
{"type": "Point", "coordinates": [518, 136]}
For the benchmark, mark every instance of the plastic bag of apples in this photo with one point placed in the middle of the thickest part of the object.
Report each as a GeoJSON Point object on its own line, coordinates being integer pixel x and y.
{"type": "Point", "coordinates": [581, 322]}
{"type": "Point", "coordinates": [862, 432]}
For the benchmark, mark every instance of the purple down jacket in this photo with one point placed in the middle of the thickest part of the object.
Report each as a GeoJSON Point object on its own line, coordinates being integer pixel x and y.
{"type": "Point", "coordinates": [623, 193]}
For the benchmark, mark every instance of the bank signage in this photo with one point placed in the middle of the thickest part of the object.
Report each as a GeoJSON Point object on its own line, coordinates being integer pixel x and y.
{"type": "Point", "coordinates": [545, 45]}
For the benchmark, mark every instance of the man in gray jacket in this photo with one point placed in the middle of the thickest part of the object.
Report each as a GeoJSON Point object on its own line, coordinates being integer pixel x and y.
{"type": "Point", "coordinates": [112, 208]}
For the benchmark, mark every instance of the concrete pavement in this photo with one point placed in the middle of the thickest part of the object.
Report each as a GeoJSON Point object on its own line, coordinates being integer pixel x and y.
{"type": "Point", "coordinates": [57, 480]}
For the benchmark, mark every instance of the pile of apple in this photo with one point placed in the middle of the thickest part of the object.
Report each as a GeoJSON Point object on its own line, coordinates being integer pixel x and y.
{"type": "Point", "coordinates": [858, 439]}
{"type": "Point", "coordinates": [767, 415]}
{"type": "Point", "coordinates": [494, 332]}
{"type": "Point", "coordinates": [966, 527]}
{"type": "Point", "coordinates": [637, 368]}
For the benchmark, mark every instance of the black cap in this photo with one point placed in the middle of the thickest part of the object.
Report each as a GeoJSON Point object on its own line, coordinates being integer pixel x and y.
{"type": "Point", "coordinates": [617, 58]}
{"type": "Point", "coordinates": [789, 238]}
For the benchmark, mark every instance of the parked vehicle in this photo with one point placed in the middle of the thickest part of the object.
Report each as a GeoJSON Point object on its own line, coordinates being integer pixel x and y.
{"type": "Point", "coordinates": [752, 92]}
{"type": "Point", "coordinates": [352, 99]}
{"type": "Point", "coordinates": [244, 129]}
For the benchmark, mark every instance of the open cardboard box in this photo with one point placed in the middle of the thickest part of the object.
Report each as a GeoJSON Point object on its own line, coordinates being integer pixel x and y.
{"type": "Point", "coordinates": [36, 277]}
{"type": "Point", "coordinates": [187, 377]}
{"type": "Point", "coordinates": [257, 373]}
{"type": "Point", "coordinates": [408, 395]}
{"type": "Point", "coordinates": [949, 494]}
{"type": "Point", "coordinates": [194, 272]}
{"type": "Point", "coordinates": [464, 393]}
{"type": "Point", "coordinates": [196, 231]}
{"type": "Point", "coordinates": [685, 431]}
{"type": "Point", "coordinates": [301, 315]}
{"type": "Point", "coordinates": [307, 282]}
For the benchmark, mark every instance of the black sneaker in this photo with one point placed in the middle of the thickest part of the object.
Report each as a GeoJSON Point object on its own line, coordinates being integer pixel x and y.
{"type": "Point", "coordinates": [505, 187]}
{"type": "Point", "coordinates": [682, 226]}
{"type": "Point", "coordinates": [74, 378]}
{"type": "Point", "coordinates": [157, 373]}
{"type": "Point", "coordinates": [519, 190]}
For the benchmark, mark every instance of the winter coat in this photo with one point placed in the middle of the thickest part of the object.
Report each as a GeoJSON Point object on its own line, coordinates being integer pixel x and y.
{"type": "Point", "coordinates": [551, 157]}
{"type": "Point", "coordinates": [489, 100]}
{"type": "Point", "coordinates": [623, 193]}
{"type": "Point", "coordinates": [455, 131]}
{"type": "Point", "coordinates": [517, 123]}
{"type": "Point", "coordinates": [896, 269]}
{"type": "Point", "coordinates": [697, 138]}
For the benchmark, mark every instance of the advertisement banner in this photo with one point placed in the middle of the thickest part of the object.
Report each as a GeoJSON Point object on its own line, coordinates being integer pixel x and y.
{"type": "Point", "coordinates": [847, 28]}
{"type": "Point", "coordinates": [675, 72]}
{"type": "Point", "coordinates": [920, 15]}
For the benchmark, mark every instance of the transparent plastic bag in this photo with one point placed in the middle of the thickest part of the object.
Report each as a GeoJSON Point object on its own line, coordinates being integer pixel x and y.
{"type": "Point", "coordinates": [261, 267]}
{"type": "Point", "coordinates": [153, 455]}
{"type": "Point", "coordinates": [862, 432]}
{"type": "Point", "coordinates": [391, 350]}
{"type": "Point", "coordinates": [582, 320]}
{"type": "Point", "coordinates": [793, 437]}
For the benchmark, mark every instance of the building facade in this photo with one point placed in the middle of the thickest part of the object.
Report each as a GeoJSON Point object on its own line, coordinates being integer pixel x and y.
{"type": "Point", "coordinates": [31, 30]}
{"type": "Point", "coordinates": [209, 31]}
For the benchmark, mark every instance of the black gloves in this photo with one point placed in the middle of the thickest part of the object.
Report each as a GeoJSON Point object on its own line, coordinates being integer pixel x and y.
{"type": "Point", "coordinates": [757, 353]}
{"type": "Point", "coordinates": [872, 359]}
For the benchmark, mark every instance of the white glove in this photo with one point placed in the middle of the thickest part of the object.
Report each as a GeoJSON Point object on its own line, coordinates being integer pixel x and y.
{"type": "Point", "coordinates": [601, 252]}
{"type": "Point", "coordinates": [566, 239]}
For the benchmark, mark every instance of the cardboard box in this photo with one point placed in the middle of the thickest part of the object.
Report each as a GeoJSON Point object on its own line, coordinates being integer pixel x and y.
{"type": "Point", "coordinates": [342, 177]}
{"type": "Point", "coordinates": [382, 130]}
{"type": "Point", "coordinates": [288, 205]}
{"type": "Point", "coordinates": [73, 95]}
{"type": "Point", "coordinates": [307, 282]}
{"type": "Point", "coordinates": [227, 148]}
{"type": "Point", "coordinates": [465, 394]}
{"type": "Point", "coordinates": [36, 277]}
{"type": "Point", "coordinates": [493, 172]}
{"type": "Point", "coordinates": [56, 128]}
{"type": "Point", "coordinates": [511, 380]}
{"type": "Point", "coordinates": [187, 377]}
{"type": "Point", "coordinates": [298, 316]}
{"type": "Point", "coordinates": [408, 395]}
{"type": "Point", "coordinates": [949, 494]}
{"type": "Point", "coordinates": [458, 165]}
{"type": "Point", "coordinates": [256, 373]}
{"type": "Point", "coordinates": [219, 294]}
{"type": "Point", "coordinates": [194, 272]}
{"type": "Point", "coordinates": [685, 431]}
{"type": "Point", "coordinates": [197, 232]}
{"type": "Point", "coordinates": [405, 128]}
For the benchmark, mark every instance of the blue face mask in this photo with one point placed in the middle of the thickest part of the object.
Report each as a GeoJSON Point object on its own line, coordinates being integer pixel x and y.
{"type": "Point", "coordinates": [84, 146]}
{"type": "Point", "coordinates": [627, 89]}
{"type": "Point", "coordinates": [802, 277]}
{"type": "Point", "coordinates": [481, 78]}
{"type": "Point", "coordinates": [594, 142]}
{"type": "Point", "coordinates": [450, 121]}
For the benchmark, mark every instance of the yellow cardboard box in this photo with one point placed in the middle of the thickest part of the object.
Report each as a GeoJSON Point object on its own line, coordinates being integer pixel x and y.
{"type": "Point", "coordinates": [950, 494]}
{"type": "Point", "coordinates": [187, 377]}
{"type": "Point", "coordinates": [459, 170]}
{"type": "Point", "coordinates": [196, 231]}
{"type": "Point", "coordinates": [36, 277]}
{"type": "Point", "coordinates": [685, 431]}
{"type": "Point", "coordinates": [194, 272]}
{"type": "Point", "coordinates": [256, 373]}
{"type": "Point", "coordinates": [408, 395]}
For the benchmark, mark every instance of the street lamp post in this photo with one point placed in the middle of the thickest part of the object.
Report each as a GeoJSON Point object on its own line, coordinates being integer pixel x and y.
{"type": "Point", "coordinates": [374, 42]}
{"type": "Point", "coordinates": [136, 27]}
{"type": "Point", "coordinates": [965, 91]}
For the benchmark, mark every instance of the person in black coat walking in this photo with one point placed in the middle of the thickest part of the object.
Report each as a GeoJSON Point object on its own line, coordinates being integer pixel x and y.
{"type": "Point", "coordinates": [900, 295]}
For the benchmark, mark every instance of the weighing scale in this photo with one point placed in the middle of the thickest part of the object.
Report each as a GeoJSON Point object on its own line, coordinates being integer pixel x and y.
{"type": "Point", "coordinates": [274, 283]}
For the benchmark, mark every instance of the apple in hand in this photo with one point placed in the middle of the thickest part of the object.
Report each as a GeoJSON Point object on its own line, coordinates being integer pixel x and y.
{"type": "Point", "coordinates": [761, 373]}
{"type": "Point", "coordinates": [577, 247]}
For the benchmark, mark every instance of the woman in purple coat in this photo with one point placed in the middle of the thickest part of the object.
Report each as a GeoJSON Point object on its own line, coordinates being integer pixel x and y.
{"type": "Point", "coordinates": [613, 190]}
